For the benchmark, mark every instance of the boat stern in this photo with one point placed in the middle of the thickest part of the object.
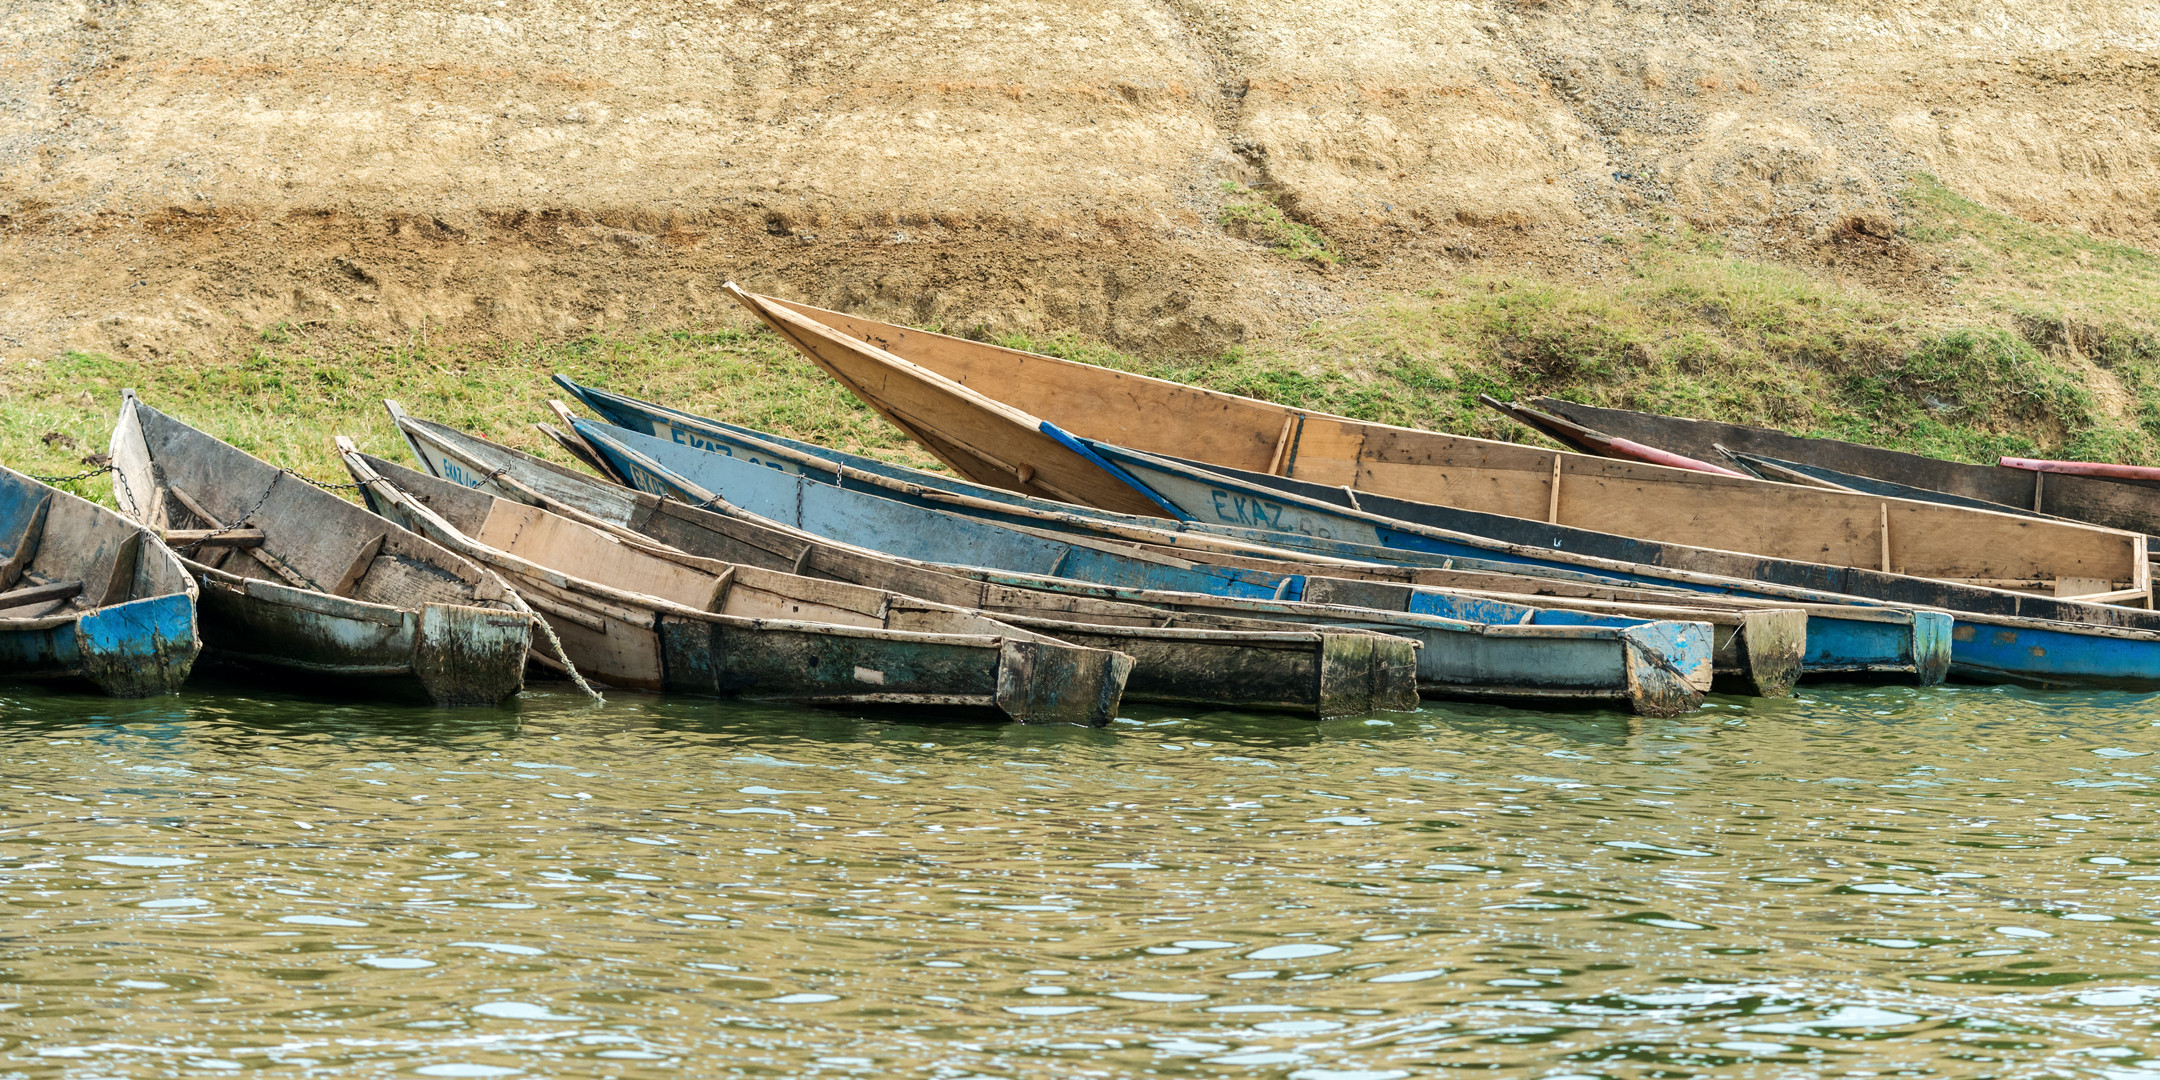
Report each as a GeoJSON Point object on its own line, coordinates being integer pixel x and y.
{"type": "Point", "coordinates": [469, 655]}
{"type": "Point", "coordinates": [140, 648]}
{"type": "Point", "coordinates": [1668, 667]}
{"type": "Point", "coordinates": [1047, 682]}
{"type": "Point", "coordinates": [1365, 672]}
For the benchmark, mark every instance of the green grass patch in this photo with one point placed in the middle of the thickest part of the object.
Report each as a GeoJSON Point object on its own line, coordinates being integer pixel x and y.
{"type": "Point", "coordinates": [288, 398]}
{"type": "Point", "coordinates": [1256, 217]}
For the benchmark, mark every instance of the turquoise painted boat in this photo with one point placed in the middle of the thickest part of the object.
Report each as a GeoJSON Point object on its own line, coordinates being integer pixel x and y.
{"type": "Point", "coordinates": [86, 594]}
{"type": "Point", "coordinates": [1658, 667]}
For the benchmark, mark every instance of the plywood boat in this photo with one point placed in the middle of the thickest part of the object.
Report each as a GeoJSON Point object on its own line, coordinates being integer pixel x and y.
{"type": "Point", "coordinates": [1008, 418]}
{"type": "Point", "coordinates": [1182, 658]}
{"type": "Point", "coordinates": [1655, 667]}
{"type": "Point", "coordinates": [86, 594]}
{"type": "Point", "coordinates": [2116, 503]}
{"type": "Point", "coordinates": [302, 585]}
{"type": "Point", "coordinates": [629, 617]}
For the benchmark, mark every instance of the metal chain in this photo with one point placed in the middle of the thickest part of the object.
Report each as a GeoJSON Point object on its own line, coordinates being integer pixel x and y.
{"type": "Point", "coordinates": [99, 471]}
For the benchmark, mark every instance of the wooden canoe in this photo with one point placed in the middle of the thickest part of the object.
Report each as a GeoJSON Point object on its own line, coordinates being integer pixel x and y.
{"type": "Point", "coordinates": [1655, 667]}
{"type": "Point", "coordinates": [2128, 504]}
{"type": "Point", "coordinates": [631, 618]}
{"type": "Point", "coordinates": [322, 589]}
{"type": "Point", "coordinates": [994, 413]}
{"type": "Point", "coordinates": [1758, 649]}
{"type": "Point", "coordinates": [1840, 640]}
{"type": "Point", "coordinates": [2115, 647]}
{"type": "Point", "coordinates": [86, 594]}
{"type": "Point", "coordinates": [1178, 658]}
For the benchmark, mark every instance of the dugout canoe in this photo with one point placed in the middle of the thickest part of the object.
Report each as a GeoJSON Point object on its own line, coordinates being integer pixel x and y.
{"type": "Point", "coordinates": [1009, 418]}
{"type": "Point", "coordinates": [1179, 658]}
{"type": "Point", "coordinates": [631, 618]}
{"type": "Point", "coordinates": [1657, 668]}
{"type": "Point", "coordinates": [1839, 640]}
{"type": "Point", "coordinates": [88, 595]}
{"type": "Point", "coordinates": [2128, 504]}
{"type": "Point", "coordinates": [299, 585]}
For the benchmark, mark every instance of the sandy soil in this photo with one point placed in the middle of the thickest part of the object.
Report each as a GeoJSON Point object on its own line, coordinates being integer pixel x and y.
{"type": "Point", "coordinates": [176, 175]}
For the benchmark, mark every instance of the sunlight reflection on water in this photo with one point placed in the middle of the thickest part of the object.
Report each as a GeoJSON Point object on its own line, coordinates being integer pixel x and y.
{"type": "Point", "coordinates": [1953, 881]}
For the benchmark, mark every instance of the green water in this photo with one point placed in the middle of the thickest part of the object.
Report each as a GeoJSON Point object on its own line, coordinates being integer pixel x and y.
{"type": "Point", "coordinates": [1864, 881]}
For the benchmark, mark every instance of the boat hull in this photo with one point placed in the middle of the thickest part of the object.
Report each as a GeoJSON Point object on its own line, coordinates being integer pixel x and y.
{"type": "Point", "coordinates": [1449, 664]}
{"type": "Point", "coordinates": [443, 653]}
{"type": "Point", "coordinates": [2133, 505]}
{"type": "Point", "coordinates": [136, 649]}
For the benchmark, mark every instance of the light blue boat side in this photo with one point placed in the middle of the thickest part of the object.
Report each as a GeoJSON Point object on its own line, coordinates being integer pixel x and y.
{"type": "Point", "coordinates": [87, 594]}
{"type": "Point", "coordinates": [1885, 641]}
{"type": "Point", "coordinates": [1660, 667]}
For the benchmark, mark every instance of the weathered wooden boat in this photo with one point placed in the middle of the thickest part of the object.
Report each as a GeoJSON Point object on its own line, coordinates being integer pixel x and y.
{"type": "Point", "coordinates": [2059, 647]}
{"type": "Point", "coordinates": [629, 617]}
{"type": "Point", "coordinates": [2117, 503]}
{"type": "Point", "coordinates": [1449, 665]}
{"type": "Point", "coordinates": [86, 594]}
{"type": "Point", "coordinates": [1795, 472]}
{"type": "Point", "coordinates": [1658, 668]}
{"type": "Point", "coordinates": [1182, 658]}
{"type": "Point", "coordinates": [1020, 420]}
{"type": "Point", "coordinates": [298, 584]}
{"type": "Point", "coordinates": [1838, 641]}
{"type": "Point", "coordinates": [2105, 645]}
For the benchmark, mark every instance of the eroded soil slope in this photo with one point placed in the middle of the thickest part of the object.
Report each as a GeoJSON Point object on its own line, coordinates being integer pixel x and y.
{"type": "Point", "coordinates": [176, 175]}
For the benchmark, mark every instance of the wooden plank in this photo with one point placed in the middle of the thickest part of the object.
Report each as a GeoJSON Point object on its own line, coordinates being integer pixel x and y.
{"type": "Point", "coordinates": [40, 594]}
{"type": "Point", "coordinates": [1552, 509]}
{"type": "Point", "coordinates": [362, 560]}
{"type": "Point", "coordinates": [213, 538]}
{"type": "Point", "coordinates": [566, 546]}
{"type": "Point", "coordinates": [22, 547]}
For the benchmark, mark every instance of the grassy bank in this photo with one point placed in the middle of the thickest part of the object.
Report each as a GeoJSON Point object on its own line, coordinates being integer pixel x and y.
{"type": "Point", "coordinates": [2037, 341]}
{"type": "Point", "coordinates": [295, 390]}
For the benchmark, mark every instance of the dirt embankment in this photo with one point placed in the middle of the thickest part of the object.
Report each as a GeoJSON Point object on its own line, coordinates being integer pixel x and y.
{"type": "Point", "coordinates": [175, 176]}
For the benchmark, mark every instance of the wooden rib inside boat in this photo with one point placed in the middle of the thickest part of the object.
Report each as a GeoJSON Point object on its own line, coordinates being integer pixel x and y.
{"type": "Point", "coordinates": [979, 407]}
